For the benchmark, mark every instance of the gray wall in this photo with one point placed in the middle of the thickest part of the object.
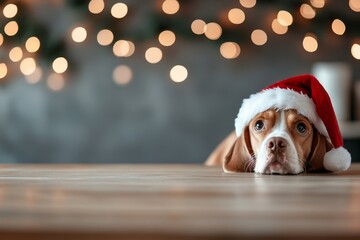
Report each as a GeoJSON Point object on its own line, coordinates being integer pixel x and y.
{"type": "Point", "coordinates": [152, 119]}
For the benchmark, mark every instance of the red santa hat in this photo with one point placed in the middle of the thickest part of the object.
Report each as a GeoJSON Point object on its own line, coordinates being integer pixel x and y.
{"type": "Point", "coordinates": [305, 94]}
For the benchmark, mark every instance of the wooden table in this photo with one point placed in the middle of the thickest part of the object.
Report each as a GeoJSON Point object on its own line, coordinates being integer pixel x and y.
{"type": "Point", "coordinates": [174, 202]}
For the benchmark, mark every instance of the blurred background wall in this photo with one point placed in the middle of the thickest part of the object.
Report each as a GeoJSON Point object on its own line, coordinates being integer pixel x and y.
{"type": "Point", "coordinates": [104, 102]}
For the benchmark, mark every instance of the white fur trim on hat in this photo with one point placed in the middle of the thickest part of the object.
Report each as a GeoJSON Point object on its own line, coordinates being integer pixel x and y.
{"type": "Point", "coordinates": [337, 159]}
{"type": "Point", "coordinates": [278, 98]}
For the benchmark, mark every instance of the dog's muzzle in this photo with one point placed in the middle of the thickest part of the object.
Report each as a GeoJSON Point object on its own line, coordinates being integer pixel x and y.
{"type": "Point", "coordinates": [277, 162]}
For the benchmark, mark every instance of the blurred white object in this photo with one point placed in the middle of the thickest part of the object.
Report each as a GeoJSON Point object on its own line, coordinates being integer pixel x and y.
{"type": "Point", "coordinates": [336, 79]}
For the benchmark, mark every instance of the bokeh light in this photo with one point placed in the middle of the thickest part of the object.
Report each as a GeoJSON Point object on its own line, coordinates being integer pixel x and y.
{"type": "Point", "coordinates": [248, 3]}
{"type": "Point", "coordinates": [131, 49]}
{"type": "Point", "coordinates": [167, 38]}
{"type": "Point", "coordinates": [105, 37]}
{"type": "Point", "coordinates": [278, 28]}
{"type": "Point", "coordinates": [123, 48]}
{"type": "Point", "coordinates": [96, 6]}
{"type": "Point", "coordinates": [170, 6]}
{"type": "Point", "coordinates": [153, 55]}
{"type": "Point", "coordinates": [56, 82]}
{"type": "Point", "coordinates": [32, 44]}
{"type": "Point", "coordinates": [3, 70]}
{"type": "Point", "coordinates": [11, 28]}
{"type": "Point", "coordinates": [230, 50]}
{"type": "Point", "coordinates": [236, 16]}
{"type": "Point", "coordinates": [16, 54]}
{"type": "Point", "coordinates": [198, 26]}
{"type": "Point", "coordinates": [10, 10]}
{"type": "Point", "coordinates": [122, 74]}
{"type": "Point", "coordinates": [355, 51]}
{"type": "Point", "coordinates": [35, 77]}
{"type": "Point", "coordinates": [178, 73]}
{"type": "Point", "coordinates": [60, 65]}
{"type": "Point", "coordinates": [284, 18]}
{"type": "Point", "coordinates": [258, 37]}
{"type": "Point", "coordinates": [28, 66]}
{"type": "Point", "coordinates": [119, 10]}
{"type": "Point", "coordinates": [354, 5]}
{"type": "Point", "coordinates": [213, 31]}
{"type": "Point", "coordinates": [1, 39]}
{"type": "Point", "coordinates": [338, 27]}
{"type": "Point", "coordinates": [310, 43]}
{"type": "Point", "coordinates": [79, 34]}
{"type": "Point", "coordinates": [307, 11]}
{"type": "Point", "coordinates": [317, 3]}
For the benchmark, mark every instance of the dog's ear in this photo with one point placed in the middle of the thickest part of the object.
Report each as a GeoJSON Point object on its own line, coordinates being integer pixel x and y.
{"type": "Point", "coordinates": [239, 157]}
{"type": "Point", "coordinates": [319, 148]}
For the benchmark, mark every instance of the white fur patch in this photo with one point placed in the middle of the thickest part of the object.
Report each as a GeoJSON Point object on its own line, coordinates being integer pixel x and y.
{"type": "Point", "coordinates": [279, 130]}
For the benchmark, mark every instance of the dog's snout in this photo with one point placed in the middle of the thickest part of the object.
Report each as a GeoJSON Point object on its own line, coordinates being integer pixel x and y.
{"type": "Point", "coordinates": [277, 144]}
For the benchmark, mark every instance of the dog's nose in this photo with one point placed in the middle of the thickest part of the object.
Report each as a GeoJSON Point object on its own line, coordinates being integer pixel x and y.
{"type": "Point", "coordinates": [277, 144]}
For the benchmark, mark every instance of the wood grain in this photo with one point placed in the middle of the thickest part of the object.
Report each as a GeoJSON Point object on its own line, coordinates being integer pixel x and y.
{"type": "Point", "coordinates": [174, 202]}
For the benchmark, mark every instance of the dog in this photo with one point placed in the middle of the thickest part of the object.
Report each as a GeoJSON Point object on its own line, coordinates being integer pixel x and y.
{"type": "Point", "coordinates": [287, 128]}
{"type": "Point", "coordinates": [274, 142]}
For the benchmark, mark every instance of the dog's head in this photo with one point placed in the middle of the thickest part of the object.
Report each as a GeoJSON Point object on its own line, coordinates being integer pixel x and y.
{"type": "Point", "coordinates": [278, 142]}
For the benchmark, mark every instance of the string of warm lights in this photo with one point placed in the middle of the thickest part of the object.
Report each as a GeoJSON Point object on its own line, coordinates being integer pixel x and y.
{"type": "Point", "coordinates": [24, 56]}
{"type": "Point", "coordinates": [27, 63]}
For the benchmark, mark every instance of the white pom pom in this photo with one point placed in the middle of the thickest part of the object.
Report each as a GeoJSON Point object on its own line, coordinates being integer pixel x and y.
{"type": "Point", "coordinates": [337, 159]}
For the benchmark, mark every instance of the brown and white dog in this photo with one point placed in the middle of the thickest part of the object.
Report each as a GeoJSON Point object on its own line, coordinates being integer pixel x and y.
{"type": "Point", "coordinates": [274, 142]}
{"type": "Point", "coordinates": [287, 128]}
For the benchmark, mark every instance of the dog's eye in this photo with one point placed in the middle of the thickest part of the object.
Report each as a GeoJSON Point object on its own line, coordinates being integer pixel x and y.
{"type": "Point", "coordinates": [259, 125]}
{"type": "Point", "coordinates": [301, 128]}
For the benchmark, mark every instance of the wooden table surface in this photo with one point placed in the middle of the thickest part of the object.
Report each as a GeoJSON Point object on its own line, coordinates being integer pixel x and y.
{"type": "Point", "coordinates": [174, 202]}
